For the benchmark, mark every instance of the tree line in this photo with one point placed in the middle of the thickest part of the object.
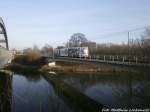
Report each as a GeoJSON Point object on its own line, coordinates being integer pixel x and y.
{"type": "Point", "coordinates": [134, 48]}
{"type": "Point", "coordinates": [33, 56]}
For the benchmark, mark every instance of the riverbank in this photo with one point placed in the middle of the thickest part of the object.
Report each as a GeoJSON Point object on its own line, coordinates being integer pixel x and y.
{"type": "Point", "coordinates": [19, 68]}
{"type": "Point", "coordinates": [79, 68]}
{"type": "Point", "coordinates": [59, 67]}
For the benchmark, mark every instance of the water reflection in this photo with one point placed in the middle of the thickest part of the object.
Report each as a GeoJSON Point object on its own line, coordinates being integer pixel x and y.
{"type": "Point", "coordinates": [127, 90]}
{"type": "Point", "coordinates": [21, 93]}
{"type": "Point", "coordinates": [33, 93]}
{"type": "Point", "coordinates": [36, 95]}
{"type": "Point", "coordinates": [5, 92]}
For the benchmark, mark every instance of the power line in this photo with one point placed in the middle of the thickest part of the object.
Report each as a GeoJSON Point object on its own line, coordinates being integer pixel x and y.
{"type": "Point", "coordinates": [121, 32]}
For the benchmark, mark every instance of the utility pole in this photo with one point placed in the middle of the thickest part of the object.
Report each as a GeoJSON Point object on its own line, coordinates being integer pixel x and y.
{"type": "Point", "coordinates": [68, 43]}
{"type": "Point", "coordinates": [53, 53]}
{"type": "Point", "coordinates": [128, 47]}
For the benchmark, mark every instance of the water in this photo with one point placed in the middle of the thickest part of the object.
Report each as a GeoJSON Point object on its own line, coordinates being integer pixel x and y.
{"type": "Point", "coordinates": [30, 94]}
{"type": "Point", "coordinates": [114, 90]}
{"type": "Point", "coordinates": [33, 93]}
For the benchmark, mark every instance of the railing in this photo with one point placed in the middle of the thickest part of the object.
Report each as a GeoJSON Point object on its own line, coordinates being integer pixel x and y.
{"type": "Point", "coordinates": [122, 60]}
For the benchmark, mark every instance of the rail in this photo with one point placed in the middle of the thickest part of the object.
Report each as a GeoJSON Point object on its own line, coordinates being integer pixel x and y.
{"type": "Point", "coordinates": [104, 60]}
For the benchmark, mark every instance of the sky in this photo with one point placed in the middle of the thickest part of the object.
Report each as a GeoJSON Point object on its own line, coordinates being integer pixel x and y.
{"type": "Point", "coordinates": [40, 22]}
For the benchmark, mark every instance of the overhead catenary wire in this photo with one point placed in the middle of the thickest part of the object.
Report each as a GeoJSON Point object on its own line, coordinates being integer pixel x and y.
{"type": "Point", "coordinates": [121, 32]}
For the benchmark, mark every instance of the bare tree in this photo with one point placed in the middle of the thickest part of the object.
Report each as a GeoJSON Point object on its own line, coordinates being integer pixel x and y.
{"type": "Point", "coordinates": [47, 51]}
{"type": "Point", "coordinates": [77, 39]}
{"type": "Point", "coordinates": [146, 37]}
{"type": "Point", "coordinates": [32, 54]}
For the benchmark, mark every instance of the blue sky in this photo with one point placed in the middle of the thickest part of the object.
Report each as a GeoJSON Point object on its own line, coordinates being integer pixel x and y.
{"type": "Point", "coordinates": [41, 22]}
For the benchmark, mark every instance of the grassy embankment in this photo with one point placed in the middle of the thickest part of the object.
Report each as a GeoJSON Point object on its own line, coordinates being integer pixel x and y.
{"type": "Point", "coordinates": [32, 63]}
{"type": "Point", "coordinates": [63, 66]}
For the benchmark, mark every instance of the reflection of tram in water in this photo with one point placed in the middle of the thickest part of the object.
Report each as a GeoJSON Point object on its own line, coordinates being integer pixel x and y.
{"type": "Point", "coordinates": [75, 52]}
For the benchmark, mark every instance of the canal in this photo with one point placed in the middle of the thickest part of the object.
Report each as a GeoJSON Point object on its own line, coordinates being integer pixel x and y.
{"type": "Point", "coordinates": [21, 92]}
{"type": "Point", "coordinates": [30, 93]}
{"type": "Point", "coordinates": [114, 90]}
